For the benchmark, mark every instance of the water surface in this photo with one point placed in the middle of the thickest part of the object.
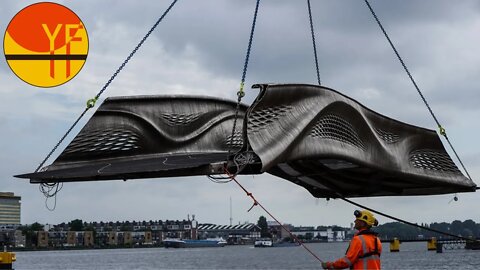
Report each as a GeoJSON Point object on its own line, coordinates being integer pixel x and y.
{"type": "Point", "coordinates": [411, 256]}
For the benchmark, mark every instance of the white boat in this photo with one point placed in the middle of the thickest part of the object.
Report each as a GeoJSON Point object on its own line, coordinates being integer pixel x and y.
{"type": "Point", "coordinates": [263, 242]}
{"type": "Point", "coordinates": [267, 242]}
{"type": "Point", "coordinates": [189, 243]}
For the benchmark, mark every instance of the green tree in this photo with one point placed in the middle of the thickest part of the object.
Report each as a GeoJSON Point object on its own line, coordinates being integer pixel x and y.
{"type": "Point", "coordinates": [442, 226]}
{"type": "Point", "coordinates": [457, 227]}
{"type": "Point", "coordinates": [36, 227]}
{"type": "Point", "coordinates": [262, 223]}
{"type": "Point", "coordinates": [30, 233]}
{"type": "Point", "coordinates": [125, 228]}
{"type": "Point", "coordinates": [471, 226]}
{"type": "Point", "coordinates": [76, 225]}
{"type": "Point", "coordinates": [397, 229]}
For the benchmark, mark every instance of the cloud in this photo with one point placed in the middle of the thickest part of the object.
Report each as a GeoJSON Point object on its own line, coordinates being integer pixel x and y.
{"type": "Point", "coordinates": [200, 49]}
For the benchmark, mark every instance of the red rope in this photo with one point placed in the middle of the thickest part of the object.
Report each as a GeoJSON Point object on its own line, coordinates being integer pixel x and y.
{"type": "Point", "coordinates": [255, 202]}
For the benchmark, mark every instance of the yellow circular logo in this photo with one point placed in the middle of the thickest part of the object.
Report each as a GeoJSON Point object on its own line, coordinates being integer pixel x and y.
{"type": "Point", "coordinates": [46, 44]}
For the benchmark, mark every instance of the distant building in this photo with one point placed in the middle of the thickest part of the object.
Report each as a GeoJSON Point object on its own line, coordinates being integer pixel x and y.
{"type": "Point", "coordinates": [112, 238]}
{"type": "Point", "coordinates": [278, 230]}
{"type": "Point", "coordinates": [71, 238]}
{"type": "Point", "coordinates": [310, 233]}
{"type": "Point", "coordinates": [234, 234]}
{"type": "Point", "coordinates": [42, 239]}
{"type": "Point", "coordinates": [9, 209]}
{"type": "Point", "coordinates": [127, 238]}
{"type": "Point", "coordinates": [88, 238]}
{"type": "Point", "coordinates": [19, 239]}
{"type": "Point", "coordinates": [138, 233]}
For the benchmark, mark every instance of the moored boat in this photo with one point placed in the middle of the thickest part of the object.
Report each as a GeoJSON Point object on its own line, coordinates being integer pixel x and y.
{"type": "Point", "coordinates": [191, 243]}
{"type": "Point", "coordinates": [263, 242]}
{"type": "Point", "coordinates": [266, 242]}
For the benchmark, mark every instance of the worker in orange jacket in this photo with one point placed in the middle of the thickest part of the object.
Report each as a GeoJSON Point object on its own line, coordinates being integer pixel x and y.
{"type": "Point", "coordinates": [364, 249]}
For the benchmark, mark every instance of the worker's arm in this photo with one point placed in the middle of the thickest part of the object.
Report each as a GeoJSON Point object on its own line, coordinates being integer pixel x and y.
{"type": "Point", "coordinates": [350, 258]}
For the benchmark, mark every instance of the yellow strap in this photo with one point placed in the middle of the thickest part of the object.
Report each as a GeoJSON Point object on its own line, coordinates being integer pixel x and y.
{"type": "Point", "coordinates": [240, 92]}
{"type": "Point", "coordinates": [442, 131]}
{"type": "Point", "coordinates": [91, 102]}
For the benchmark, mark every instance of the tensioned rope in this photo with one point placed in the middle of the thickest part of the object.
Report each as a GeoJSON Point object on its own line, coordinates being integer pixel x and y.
{"type": "Point", "coordinates": [313, 41]}
{"type": "Point", "coordinates": [256, 202]}
{"type": "Point", "coordinates": [442, 130]}
{"type": "Point", "coordinates": [241, 93]}
{"type": "Point", "coordinates": [406, 222]}
{"type": "Point", "coordinates": [46, 188]}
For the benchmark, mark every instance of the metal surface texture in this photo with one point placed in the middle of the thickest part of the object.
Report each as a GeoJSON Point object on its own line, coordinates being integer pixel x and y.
{"type": "Point", "coordinates": [312, 136]}
{"type": "Point", "coordinates": [333, 146]}
{"type": "Point", "coordinates": [146, 137]}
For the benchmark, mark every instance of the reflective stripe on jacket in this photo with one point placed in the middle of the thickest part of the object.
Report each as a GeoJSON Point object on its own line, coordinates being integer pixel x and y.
{"type": "Point", "coordinates": [361, 253]}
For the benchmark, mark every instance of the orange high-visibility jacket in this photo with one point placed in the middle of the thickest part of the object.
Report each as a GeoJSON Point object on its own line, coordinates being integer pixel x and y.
{"type": "Point", "coordinates": [363, 253]}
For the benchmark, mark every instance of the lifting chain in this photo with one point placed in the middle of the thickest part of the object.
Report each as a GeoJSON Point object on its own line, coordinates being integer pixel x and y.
{"type": "Point", "coordinates": [91, 102]}
{"type": "Point", "coordinates": [241, 93]}
{"type": "Point", "coordinates": [313, 41]}
{"type": "Point", "coordinates": [51, 189]}
{"type": "Point", "coordinates": [441, 130]}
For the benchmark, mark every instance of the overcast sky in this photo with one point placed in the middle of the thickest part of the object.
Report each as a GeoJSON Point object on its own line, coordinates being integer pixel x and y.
{"type": "Point", "coordinates": [199, 49]}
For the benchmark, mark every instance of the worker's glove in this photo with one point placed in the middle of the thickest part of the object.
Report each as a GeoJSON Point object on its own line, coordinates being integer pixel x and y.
{"type": "Point", "coordinates": [324, 265]}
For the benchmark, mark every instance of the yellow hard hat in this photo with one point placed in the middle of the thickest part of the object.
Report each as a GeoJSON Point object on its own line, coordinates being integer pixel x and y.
{"type": "Point", "coordinates": [366, 216]}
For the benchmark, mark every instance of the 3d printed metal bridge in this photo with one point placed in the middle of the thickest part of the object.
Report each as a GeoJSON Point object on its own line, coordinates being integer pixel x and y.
{"type": "Point", "coordinates": [312, 136]}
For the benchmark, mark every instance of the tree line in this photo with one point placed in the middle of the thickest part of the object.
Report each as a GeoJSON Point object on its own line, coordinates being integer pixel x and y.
{"type": "Point", "coordinates": [467, 228]}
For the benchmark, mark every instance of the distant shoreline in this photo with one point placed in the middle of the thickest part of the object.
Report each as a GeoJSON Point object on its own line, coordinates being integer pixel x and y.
{"type": "Point", "coordinates": [21, 249]}
{"type": "Point", "coordinates": [17, 249]}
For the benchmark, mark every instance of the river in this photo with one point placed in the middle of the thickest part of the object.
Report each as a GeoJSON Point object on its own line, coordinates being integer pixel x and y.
{"type": "Point", "coordinates": [411, 256]}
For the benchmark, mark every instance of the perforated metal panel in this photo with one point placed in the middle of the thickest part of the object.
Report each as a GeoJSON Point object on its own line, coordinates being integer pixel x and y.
{"type": "Point", "coordinates": [237, 141]}
{"type": "Point", "coordinates": [175, 119]}
{"type": "Point", "coordinates": [104, 140]}
{"type": "Point", "coordinates": [260, 119]}
{"type": "Point", "coordinates": [388, 137]}
{"type": "Point", "coordinates": [333, 127]}
{"type": "Point", "coordinates": [433, 160]}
